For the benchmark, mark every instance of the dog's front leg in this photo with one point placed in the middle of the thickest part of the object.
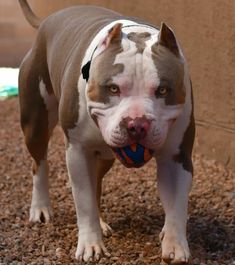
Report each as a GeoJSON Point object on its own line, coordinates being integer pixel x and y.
{"type": "Point", "coordinates": [81, 165]}
{"type": "Point", "coordinates": [174, 183]}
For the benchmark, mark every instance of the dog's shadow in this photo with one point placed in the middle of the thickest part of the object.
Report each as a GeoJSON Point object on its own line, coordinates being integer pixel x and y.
{"type": "Point", "coordinates": [209, 237]}
{"type": "Point", "coordinates": [213, 236]}
{"type": "Point", "coordinates": [147, 223]}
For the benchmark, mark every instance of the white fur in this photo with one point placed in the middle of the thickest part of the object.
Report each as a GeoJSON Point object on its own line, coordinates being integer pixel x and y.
{"type": "Point", "coordinates": [81, 165]}
{"type": "Point", "coordinates": [174, 184]}
{"type": "Point", "coordinates": [139, 72]}
{"type": "Point", "coordinates": [40, 197]}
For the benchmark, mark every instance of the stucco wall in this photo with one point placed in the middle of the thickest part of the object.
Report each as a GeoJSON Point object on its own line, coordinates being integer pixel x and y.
{"type": "Point", "coordinates": [206, 32]}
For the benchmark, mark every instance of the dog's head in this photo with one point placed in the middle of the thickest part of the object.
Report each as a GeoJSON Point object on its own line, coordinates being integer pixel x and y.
{"type": "Point", "coordinates": [135, 89]}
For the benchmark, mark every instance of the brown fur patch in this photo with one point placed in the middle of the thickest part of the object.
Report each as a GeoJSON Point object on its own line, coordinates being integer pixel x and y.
{"type": "Point", "coordinates": [139, 39]}
{"type": "Point", "coordinates": [69, 106]}
{"type": "Point", "coordinates": [68, 35]}
{"type": "Point", "coordinates": [186, 146]}
{"type": "Point", "coordinates": [171, 74]}
{"type": "Point", "coordinates": [98, 88]}
{"type": "Point", "coordinates": [34, 115]}
{"type": "Point", "coordinates": [102, 71]}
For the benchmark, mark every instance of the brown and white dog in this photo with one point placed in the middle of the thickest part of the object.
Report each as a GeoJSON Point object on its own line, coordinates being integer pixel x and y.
{"type": "Point", "coordinates": [97, 73]}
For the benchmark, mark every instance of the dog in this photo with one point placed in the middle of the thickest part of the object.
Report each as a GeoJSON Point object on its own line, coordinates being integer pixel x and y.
{"type": "Point", "coordinates": [116, 85]}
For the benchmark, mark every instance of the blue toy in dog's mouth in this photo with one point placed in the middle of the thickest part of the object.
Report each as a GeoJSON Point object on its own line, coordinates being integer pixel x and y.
{"type": "Point", "coordinates": [135, 155]}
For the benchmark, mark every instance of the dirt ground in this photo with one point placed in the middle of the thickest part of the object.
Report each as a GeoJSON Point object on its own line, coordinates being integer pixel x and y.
{"type": "Point", "coordinates": [130, 204]}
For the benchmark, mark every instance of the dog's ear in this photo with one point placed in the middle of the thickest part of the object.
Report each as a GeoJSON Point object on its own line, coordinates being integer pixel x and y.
{"type": "Point", "coordinates": [167, 39]}
{"type": "Point", "coordinates": [114, 35]}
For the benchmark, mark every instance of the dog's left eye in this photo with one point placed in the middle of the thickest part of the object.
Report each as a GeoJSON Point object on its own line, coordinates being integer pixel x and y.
{"type": "Point", "coordinates": [162, 91]}
{"type": "Point", "coordinates": [114, 89]}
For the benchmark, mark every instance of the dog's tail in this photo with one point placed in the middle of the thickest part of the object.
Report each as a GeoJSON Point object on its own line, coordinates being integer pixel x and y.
{"type": "Point", "coordinates": [33, 20]}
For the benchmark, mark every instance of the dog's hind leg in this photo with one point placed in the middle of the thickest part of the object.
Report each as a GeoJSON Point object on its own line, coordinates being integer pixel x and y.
{"type": "Point", "coordinates": [38, 109]}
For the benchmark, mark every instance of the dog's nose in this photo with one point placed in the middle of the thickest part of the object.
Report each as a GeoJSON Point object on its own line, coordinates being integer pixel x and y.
{"type": "Point", "coordinates": [137, 128]}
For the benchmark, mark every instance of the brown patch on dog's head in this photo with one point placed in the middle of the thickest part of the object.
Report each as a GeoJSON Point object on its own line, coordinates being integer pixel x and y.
{"type": "Point", "coordinates": [103, 67]}
{"type": "Point", "coordinates": [98, 85]}
{"type": "Point", "coordinates": [139, 39]}
{"type": "Point", "coordinates": [169, 65]}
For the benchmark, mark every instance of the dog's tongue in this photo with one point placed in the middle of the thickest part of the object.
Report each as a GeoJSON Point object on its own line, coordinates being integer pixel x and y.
{"type": "Point", "coordinates": [135, 155]}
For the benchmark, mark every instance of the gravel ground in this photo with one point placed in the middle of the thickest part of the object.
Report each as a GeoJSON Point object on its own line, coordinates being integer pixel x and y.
{"type": "Point", "coordinates": [130, 203]}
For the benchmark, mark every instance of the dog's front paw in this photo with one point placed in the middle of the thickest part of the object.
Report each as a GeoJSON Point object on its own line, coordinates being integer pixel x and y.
{"type": "Point", "coordinates": [40, 214]}
{"type": "Point", "coordinates": [90, 249]}
{"type": "Point", "coordinates": [175, 248]}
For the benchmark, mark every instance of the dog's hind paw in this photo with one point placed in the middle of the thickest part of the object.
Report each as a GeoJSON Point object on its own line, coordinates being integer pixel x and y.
{"type": "Point", "coordinates": [40, 214]}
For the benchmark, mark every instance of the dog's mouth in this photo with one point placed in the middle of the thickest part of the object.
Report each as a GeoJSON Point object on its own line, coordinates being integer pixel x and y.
{"type": "Point", "coordinates": [134, 155]}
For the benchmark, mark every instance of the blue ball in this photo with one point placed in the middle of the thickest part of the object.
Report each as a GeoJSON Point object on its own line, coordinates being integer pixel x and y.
{"type": "Point", "coordinates": [135, 155]}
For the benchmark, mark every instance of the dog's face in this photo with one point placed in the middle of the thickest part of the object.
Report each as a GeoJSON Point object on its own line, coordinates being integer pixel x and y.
{"type": "Point", "coordinates": [135, 90]}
